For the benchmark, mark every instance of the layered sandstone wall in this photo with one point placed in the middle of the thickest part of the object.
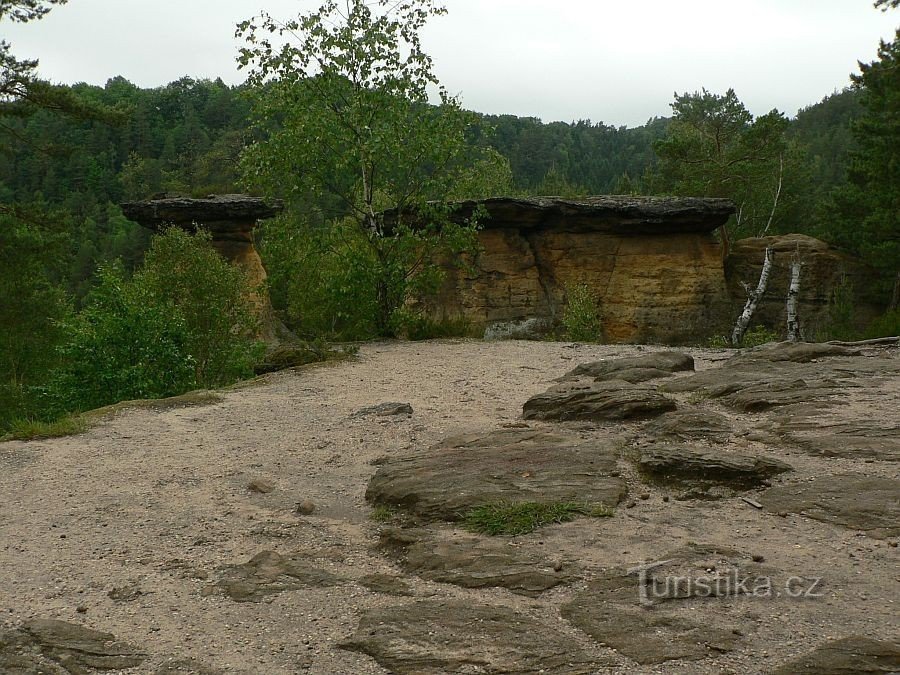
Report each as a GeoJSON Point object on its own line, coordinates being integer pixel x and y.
{"type": "Point", "coordinates": [825, 269]}
{"type": "Point", "coordinates": [654, 264]}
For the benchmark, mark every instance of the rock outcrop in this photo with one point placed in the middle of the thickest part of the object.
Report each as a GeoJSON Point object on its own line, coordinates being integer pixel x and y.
{"type": "Point", "coordinates": [653, 262]}
{"type": "Point", "coordinates": [825, 269]}
{"type": "Point", "coordinates": [230, 220]}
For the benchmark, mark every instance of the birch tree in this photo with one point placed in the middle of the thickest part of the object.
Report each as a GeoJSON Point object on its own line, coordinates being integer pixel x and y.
{"type": "Point", "coordinates": [343, 116]}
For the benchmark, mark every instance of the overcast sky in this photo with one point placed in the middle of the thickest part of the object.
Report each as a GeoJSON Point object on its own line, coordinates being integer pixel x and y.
{"type": "Point", "coordinates": [613, 61]}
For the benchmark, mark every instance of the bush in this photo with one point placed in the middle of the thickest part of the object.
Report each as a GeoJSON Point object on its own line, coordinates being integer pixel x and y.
{"type": "Point", "coordinates": [336, 282]}
{"type": "Point", "coordinates": [581, 318]}
{"type": "Point", "coordinates": [758, 335]}
{"type": "Point", "coordinates": [181, 323]}
{"type": "Point", "coordinates": [121, 346]}
{"type": "Point", "coordinates": [185, 272]}
{"type": "Point", "coordinates": [887, 325]}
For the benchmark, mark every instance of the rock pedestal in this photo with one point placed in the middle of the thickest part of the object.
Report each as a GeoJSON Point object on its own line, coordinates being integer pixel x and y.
{"type": "Point", "coordinates": [230, 220]}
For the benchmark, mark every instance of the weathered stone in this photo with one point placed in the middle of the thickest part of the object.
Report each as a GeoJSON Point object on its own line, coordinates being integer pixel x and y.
{"type": "Point", "coordinates": [476, 562]}
{"type": "Point", "coordinates": [854, 655]}
{"type": "Point", "coordinates": [765, 395]}
{"type": "Point", "coordinates": [261, 486]}
{"type": "Point", "coordinates": [126, 593]}
{"type": "Point", "coordinates": [653, 262]}
{"type": "Point", "coordinates": [385, 410]}
{"type": "Point", "coordinates": [635, 375]}
{"type": "Point", "coordinates": [867, 503]}
{"type": "Point", "coordinates": [269, 572]}
{"type": "Point", "coordinates": [517, 465]}
{"type": "Point", "coordinates": [824, 269]}
{"type": "Point", "coordinates": [435, 637]}
{"type": "Point", "coordinates": [600, 401]}
{"type": "Point", "coordinates": [50, 646]}
{"type": "Point", "coordinates": [859, 440]}
{"type": "Point", "coordinates": [177, 666]}
{"type": "Point", "coordinates": [385, 583]}
{"type": "Point", "coordinates": [795, 352]}
{"type": "Point", "coordinates": [525, 329]}
{"type": "Point", "coordinates": [678, 463]}
{"type": "Point", "coordinates": [667, 361]}
{"type": "Point", "coordinates": [609, 611]}
{"type": "Point", "coordinates": [686, 425]}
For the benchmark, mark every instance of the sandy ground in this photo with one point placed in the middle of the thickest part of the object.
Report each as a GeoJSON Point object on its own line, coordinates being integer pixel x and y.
{"type": "Point", "coordinates": [158, 501]}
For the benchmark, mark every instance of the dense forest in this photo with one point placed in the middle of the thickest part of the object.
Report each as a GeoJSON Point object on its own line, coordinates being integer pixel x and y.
{"type": "Point", "coordinates": [79, 282]}
{"type": "Point", "coordinates": [186, 138]}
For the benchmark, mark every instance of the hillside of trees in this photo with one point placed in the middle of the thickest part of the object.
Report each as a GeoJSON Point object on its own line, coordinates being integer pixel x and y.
{"type": "Point", "coordinates": [186, 138]}
{"type": "Point", "coordinates": [92, 313]}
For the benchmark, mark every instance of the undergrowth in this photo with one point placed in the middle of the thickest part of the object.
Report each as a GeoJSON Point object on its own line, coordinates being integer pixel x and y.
{"type": "Point", "coordinates": [509, 518]}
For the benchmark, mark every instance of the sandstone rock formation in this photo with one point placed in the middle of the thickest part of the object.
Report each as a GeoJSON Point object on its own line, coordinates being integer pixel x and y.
{"type": "Point", "coordinates": [473, 561]}
{"type": "Point", "coordinates": [518, 465]}
{"type": "Point", "coordinates": [847, 656]}
{"type": "Point", "coordinates": [654, 263]}
{"type": "Point", "coordinates": [436, 636]}
{"type": "Point", "coordinates": [824, 269]}
{"type": "Point", "coordinates": [59, 647]}
{"type": "Point", "coordinates": [612, 400]}
{"type": "Point", "coordinates": [230, 220]}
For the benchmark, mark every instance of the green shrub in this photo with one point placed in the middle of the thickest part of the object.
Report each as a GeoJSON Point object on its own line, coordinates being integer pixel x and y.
{"type": "Point", "coordinates": [184, 271]}
{"type": "Point", "coordinates": [581, 318]}
{"type": "Point", "coordinates": [887, 325]}
{"type": "Point", "coordinates": [509, 518]}
{"type": "Point", "coordinates": [759, 335]}
{"type": "Point", "coordinates": [123, 345]}
{"type": "Point", "coordinates": [184, 321]}
{"type": "Point", "coordinates": [413, 325]}
{"type": "Point", "coordinates": [337, 282]}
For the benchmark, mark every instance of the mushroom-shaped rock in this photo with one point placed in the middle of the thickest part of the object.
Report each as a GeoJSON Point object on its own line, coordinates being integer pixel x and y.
{"type": "Point", "coordinates": [230, 220]}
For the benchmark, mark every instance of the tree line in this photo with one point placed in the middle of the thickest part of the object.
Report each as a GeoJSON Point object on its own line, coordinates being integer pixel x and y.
{"type": "Point", "coordinates": [337, 121]}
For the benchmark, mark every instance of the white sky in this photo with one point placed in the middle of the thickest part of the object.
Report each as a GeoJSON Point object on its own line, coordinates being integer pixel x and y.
{"type": "Point", "coordinates": [613, 61]}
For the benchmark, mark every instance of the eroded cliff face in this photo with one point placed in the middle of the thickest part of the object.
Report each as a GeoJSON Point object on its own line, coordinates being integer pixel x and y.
{"type": "Point", "coordinates": [655, 265]}
{"type": "Point", "coordinates": [825, 269]}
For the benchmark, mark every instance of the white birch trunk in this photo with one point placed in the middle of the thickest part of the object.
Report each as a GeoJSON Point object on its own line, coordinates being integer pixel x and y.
{"type": "Point", "coordinates": [752, 301]}
{"type": "Point", "coordinates": [793, 323]}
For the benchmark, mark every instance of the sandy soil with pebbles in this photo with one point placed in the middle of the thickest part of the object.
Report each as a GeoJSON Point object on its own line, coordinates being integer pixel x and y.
{"type": "Point", "coordinates": [149, 505]}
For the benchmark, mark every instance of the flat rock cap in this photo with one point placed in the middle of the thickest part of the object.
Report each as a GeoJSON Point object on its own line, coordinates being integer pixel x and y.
{"type": "Point", "coordinates": [155, 213]}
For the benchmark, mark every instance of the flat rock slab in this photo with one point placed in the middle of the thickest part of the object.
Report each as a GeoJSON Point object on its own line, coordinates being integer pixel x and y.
{"type": "Point", "coordinates": [49, 646]}
{"type": "Point", "coordinates": [797, 352]}
{"type": "Point", "coordinates": [852, 655]}
{"type": "Point", "coordinates": [863, 439]}
{"type": "Point", "coordinates": [867, 503]}
{"type": "Point", "coordinates": [269, 572]}
{"type": "Point", "coordinates": [664, 363]}
{"type": "Point", "coordinates": [386, 583]}
{"type": "Point", "coordinates": [433, 637]}
{"type": "Point", "coordinates": [471, 561]}
{"type": "Point", "coordinates": [756, 397]}
{"type": "Point", "coordinates": [684, 464]}
{"type": "Point", "coordinates": [516, 465]}
{"type": "Point", "coordinates": [390, 409]}
{"type": "Point", "coordinates": [609, 610]}
{"type": "Point", "coordinates": [615, 400]}
{"type": "Point", "coordinates": [686, 425]}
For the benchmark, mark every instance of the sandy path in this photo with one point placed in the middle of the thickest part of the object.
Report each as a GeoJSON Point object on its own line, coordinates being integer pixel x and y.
{"type": "Point", "coordinates": [159, 501]}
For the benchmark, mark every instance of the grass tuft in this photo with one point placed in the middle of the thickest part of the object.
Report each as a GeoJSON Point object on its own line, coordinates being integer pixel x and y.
{"type": "Point", "coordinates": [28, 429]}
{"type": "Point", "coordinates": [509, 518]}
